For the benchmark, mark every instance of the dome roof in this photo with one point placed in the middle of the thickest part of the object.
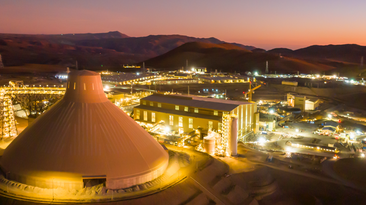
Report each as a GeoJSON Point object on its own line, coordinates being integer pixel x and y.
{"type": "Point", "coordinates": [83, 136]}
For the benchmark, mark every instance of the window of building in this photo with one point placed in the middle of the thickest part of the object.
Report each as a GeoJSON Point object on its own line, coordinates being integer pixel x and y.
{"type": "Point", "coordinates": [196, 110]}
{"type": "Point", "coordinates": [190, 123]}
{"type": "Point", "coordinates": [153, 117]}
{"type": "Point", "coordinates": [151, 103]}
{"type": "Point", "coordinates": [180, 121]}
{"type": "Point", "coordinates": [137, 114]}
{"type": "Point", "coordinates": [186, 109]}
{"type": "Point", "coordinates": [144, 102]}
{"type": "Point", "coordinates": [159, 104]}
{"type": "Point", "coordinates": [171, 120]}
{"type": "Point", "coordinates": [145, 115]}
{"type": "Point", "coordinates": [216, 112]}
{"type": "Point", "coordinates": [210, 125]}
{"type": "Point", "coordinates": [177, 107]}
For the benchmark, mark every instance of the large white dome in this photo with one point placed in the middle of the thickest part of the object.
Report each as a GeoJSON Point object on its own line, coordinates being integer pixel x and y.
{"type": "Point", "coordinates": [84, 136]}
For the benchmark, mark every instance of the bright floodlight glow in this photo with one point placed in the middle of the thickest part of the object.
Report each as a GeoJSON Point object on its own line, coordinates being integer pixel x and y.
{"type": "Point", "coordinates": [288, 149]}
{"type": "Point", "coordinates": [256, 73]}
{"type": "Point", "coordinates": [271, 111]}
{"type": "Point", "coordinates": [352, 135]}
{"type": "Point", "coordinates": [362, 155]}
{"type": "Point", "coordinates": [297, 130]}
{"type": "Point", "coordinates": [329, 116]}
{"type": "Point", "coordinates": [261, 141]}
{"type": "Point", "coordinates": [167, 129]}
{"type": "Point", "coordinates": [106, 88]}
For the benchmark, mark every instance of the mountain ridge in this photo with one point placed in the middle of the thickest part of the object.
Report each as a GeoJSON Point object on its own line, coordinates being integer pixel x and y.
{"type": "Point", "coordinates": [95, 50]}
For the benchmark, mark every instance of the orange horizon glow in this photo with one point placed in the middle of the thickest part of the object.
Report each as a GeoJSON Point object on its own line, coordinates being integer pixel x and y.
{"type": "Point", "coordinates": [265, 24]}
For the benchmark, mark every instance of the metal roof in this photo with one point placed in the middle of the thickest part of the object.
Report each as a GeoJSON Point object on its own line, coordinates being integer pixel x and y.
{"type": "Point", "coordinates": [195, 101]}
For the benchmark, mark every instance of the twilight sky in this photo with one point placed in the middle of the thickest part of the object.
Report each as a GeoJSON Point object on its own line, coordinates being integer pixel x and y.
{"type": "Point", "coordinates": [261, 23]}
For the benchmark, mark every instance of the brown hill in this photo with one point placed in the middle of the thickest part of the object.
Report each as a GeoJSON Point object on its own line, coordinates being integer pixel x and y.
{"type": "Point", "coordinates": [230, 58]}
{"type": "Point", "coordinates": [39, 51]}
{"type": "Point", "coordinates": [91, 50]}
{"type": "Point", "coordinates": [347, 53]}
{"type": "Point", "coordinates": [152, 45]}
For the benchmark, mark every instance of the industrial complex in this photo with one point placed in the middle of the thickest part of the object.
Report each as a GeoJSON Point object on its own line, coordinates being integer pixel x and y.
{"type": "Point", "coordinates": [116, 136]}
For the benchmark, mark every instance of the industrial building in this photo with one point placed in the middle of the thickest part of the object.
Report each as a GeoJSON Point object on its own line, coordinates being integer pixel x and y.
{"type": "Point", "coordinates": [82, 140]}
{"type": "Point", "coordinates": [221, 79]}
{"type": "Point", "coordinates": [174, 81]}
{"type": "Point", "coordinates": [184, 114]}
{"type": "Point", "coordinates": [303, 102]}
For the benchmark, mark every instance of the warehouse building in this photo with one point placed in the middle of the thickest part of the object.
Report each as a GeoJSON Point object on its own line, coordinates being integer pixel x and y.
{"type": "Point", "coordinates": [184, 114]}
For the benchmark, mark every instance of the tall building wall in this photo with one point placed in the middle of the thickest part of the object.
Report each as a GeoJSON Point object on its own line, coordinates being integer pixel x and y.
{"type": "Point", "coordinates": [145, 115]}
{"type": "Point", "coordinates": [246, 121]}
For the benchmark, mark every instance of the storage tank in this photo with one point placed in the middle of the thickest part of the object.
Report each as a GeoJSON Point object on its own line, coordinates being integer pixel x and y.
{"type": "Point", "coordinates": [234, 136]}
{"type": "Point", "coordinates": [209, 143]}
{"type": "Point", "coordinates": [82, 138]}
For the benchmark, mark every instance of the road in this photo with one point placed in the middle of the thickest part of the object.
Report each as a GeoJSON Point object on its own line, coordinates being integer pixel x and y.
{"type": "Point", "coordinates": [303, 169]}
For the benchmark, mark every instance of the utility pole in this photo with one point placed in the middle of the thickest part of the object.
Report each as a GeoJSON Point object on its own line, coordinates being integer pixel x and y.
{"type": "Point", "coordinates": [188, 89]}
{"type": "Point", "coordinates": [361, 62]}
{"type": "Point", "coordinates": [266, 67]}
{"type": "Point", "coordinates": [1, 62]}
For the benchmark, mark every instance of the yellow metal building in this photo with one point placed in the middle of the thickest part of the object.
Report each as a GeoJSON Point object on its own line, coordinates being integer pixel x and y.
{"type": "Point", "coordinates": [184, 114]}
